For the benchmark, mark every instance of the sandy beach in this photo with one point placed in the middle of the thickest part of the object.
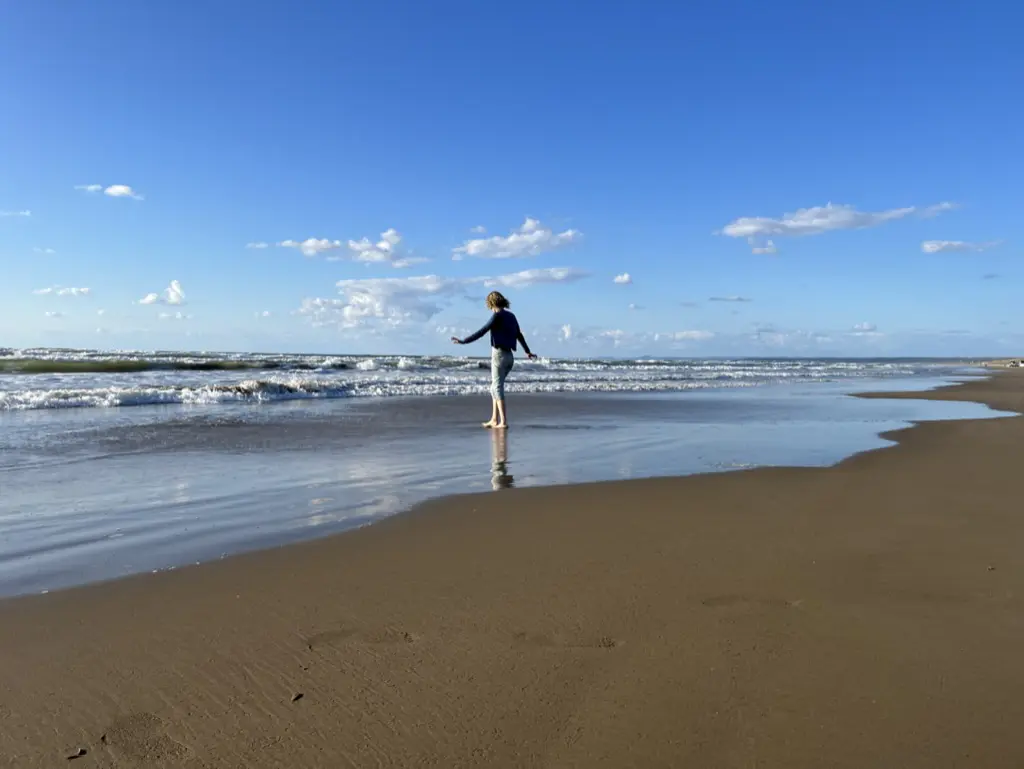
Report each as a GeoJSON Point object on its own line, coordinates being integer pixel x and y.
{"type": "Point", "coordinates": [863, 615]}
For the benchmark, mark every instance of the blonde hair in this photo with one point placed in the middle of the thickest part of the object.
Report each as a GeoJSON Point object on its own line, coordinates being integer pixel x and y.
{"type": "Point", "coordinates": [497, 301]}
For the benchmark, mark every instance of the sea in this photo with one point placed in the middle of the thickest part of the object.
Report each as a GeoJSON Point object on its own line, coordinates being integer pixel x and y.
{"type": "Point", "coordinates": [119, 462]}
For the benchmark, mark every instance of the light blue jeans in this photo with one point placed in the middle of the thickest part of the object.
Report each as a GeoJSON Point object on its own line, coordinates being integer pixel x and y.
{"type": "Point", "coordinates": [501, 363]}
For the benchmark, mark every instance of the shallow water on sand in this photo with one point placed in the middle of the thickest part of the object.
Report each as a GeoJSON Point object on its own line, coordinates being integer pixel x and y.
{"type": "Point", "coordinates": [102, 497]}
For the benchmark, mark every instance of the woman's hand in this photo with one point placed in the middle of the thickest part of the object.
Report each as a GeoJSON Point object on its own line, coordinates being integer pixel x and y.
{"type": "Point", "coordinates": [531, 355]}
{"type": "Point", "coordinates": [456, 340]}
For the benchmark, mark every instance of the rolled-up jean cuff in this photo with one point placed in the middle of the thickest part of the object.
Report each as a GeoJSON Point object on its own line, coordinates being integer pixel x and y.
{"type": "Point", "coordinates": [501, 363]}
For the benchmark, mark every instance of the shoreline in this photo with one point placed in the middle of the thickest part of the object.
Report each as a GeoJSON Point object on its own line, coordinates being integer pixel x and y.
{"type": "Point", "coordinates": [776, 616]}
{"type": "Point", "coordinates": [162, 495]}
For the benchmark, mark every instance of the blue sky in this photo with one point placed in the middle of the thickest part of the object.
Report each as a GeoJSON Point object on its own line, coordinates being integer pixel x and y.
{"type": "Point", "coordinates": [853, 173]}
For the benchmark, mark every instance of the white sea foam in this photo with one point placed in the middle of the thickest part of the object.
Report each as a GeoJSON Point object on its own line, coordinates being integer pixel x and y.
{"type": "Point", "coordinates": [54, 379]}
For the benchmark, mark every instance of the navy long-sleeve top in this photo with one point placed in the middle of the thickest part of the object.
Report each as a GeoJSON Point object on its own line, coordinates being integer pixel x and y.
{"type": "Point", "coordinates": [504, 330]}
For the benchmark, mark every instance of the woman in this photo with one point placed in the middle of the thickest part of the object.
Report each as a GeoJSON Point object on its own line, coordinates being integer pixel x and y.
{"type": "Point", "coordinates": [505, 333]}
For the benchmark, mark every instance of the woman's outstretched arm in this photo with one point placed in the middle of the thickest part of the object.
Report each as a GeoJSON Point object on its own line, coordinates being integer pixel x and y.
{"type": "Point", "coordinates": [474, 336]}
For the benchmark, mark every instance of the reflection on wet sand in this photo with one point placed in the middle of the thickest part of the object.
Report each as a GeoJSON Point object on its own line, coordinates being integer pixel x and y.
{"type": "Point", "coordinates": [500, 478]}
{"type": "Point", "coordinates": [197, 488]}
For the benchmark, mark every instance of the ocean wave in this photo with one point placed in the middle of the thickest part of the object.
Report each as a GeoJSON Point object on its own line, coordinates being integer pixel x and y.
{"type": "Point", "coordinates": [261, 391]}
{"type": "Point", "coordinates": [128, 365]}
{"type": "Point", "coordinates": [249, 391]}
{"type": "Point", "coordinates": [62, 379]}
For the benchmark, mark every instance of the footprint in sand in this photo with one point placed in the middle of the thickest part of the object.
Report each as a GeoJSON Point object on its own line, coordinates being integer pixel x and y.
{"type": "Point", "coordinates": [385, 635]}
{"type": "Point", "coordinates": [143, 737]}
{"type": "Point", "coordinates": [544, 640]}
{"type": "Point", "coordinates": [749, 602]}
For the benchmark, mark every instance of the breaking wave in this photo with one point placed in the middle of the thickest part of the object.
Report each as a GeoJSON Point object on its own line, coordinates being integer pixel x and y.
{"type": "Point", "coordinates": [124, 366]}
{"type": "Point", "coordinates": [64, 379]}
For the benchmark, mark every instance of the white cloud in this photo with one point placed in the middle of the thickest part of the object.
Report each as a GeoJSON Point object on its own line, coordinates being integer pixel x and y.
{"type": "Point", "coordinates": [259, 244]}
{"type": "Point", "coordinates": [16, 213]}
{"type": "Point", "coordinates": [174, 316]}
{"type": "Point", "coordinates": [408, 261]}
{"type": "Point", "coordinates": [771, 336]}
{"type": "Point", "coordinates": [62, 291]}
{"type": "Point", "coordinates": [381, 251]}
{"type": "Point", "coordinates": [173, 294]}
{"type": "Point", "coordinates": [101, 312]}
{"type": "Point", "coordinates": [953, 246]}
{"type": "Point", "coordinates": [644, 341]}
{"type": "Point", "coordinates": [530, 239]}
{"type": "Point", "coordinates": [817, 220]}
{"type": "Point", "coordinates": [114, 190]}
{"type": "Point", "coordinates": [929, 211]}
{"type": "Point", "coordinates": [615, 335]}
{"type": "Point", "coordinates": [311, 246]}
{"type": "Point", "coordinates": [767, 248]}
{"type": "Point", "coordinates": [393, 302]}
{"type": "Point", "coordinates": [384, 251]}
{"type": "Point", "coordinates": [54, 314]}
{"type": "Point", "coordinates": [634, 306]}
{"type": "Point", "coordinates": [528, 278]}
{"type": "Point", "coordinates": [478, 230]}
{"type": "Point", "coordinates": [764, 336]}
{"type": "Point", "coordinates": [47, 251]}
{"type": "Point", "coordinates": [264, 314]}
{"type": "Point", "coordinates": [729, 299]}
{"type": "Point", "coordinates": [122, 191]}
{"type": "Point", "coordinates": [692, 336]}
{"type": "Point", "coordinates": [622, 338]}
{"type": "Point", "coordinates": [623, 279]}
{"type": "Point", "coordinates": [865, 330]}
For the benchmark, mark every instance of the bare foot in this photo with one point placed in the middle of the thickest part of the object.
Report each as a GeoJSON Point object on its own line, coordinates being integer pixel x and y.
{"type": "Point", "coordinates": [488, 425]}
{"type": "Point", "coordinates": [500, 427]}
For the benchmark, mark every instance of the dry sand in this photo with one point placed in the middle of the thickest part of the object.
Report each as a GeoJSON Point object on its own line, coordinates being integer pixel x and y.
{"type": "Point", "coordinates": [865, 615]}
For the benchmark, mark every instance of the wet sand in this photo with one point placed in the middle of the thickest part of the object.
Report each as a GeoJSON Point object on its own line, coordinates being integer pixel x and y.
{"type": "Point", "coordinates": [99, 504]}
{"type": "Point", "coordinates": [867, 614]}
